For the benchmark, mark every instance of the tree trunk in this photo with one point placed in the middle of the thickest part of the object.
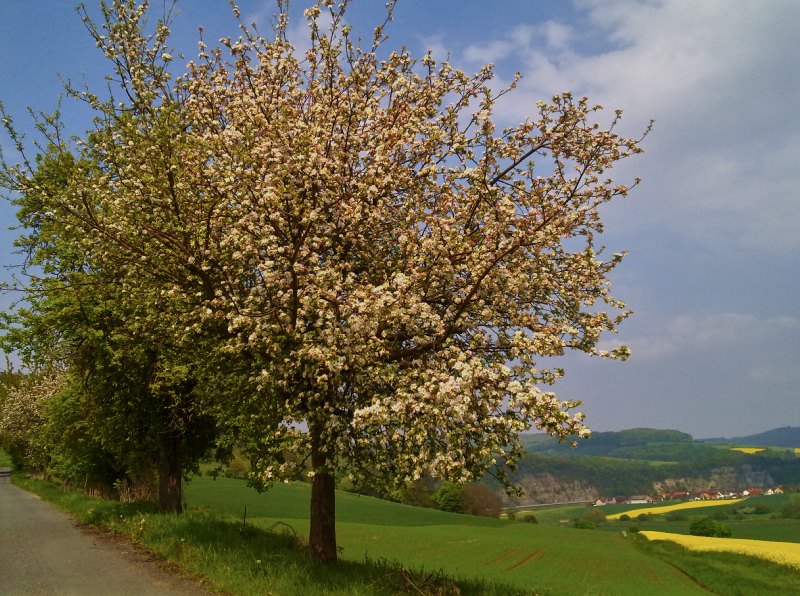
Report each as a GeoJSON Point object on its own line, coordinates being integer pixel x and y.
{"type": "Point", "coordinates": [322, 537]}
{"type": "Point", "coordinates": [169, 476]}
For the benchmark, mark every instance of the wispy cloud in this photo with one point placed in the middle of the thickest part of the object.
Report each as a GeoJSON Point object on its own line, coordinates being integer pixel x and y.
{"type": "Point", "coordinates": [721, 164]}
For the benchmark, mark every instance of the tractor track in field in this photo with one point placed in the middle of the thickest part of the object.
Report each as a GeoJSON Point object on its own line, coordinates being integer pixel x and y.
{"type": "Point", "coordinates": [526, 559]}
{"type": "Point", "coordinates": [693, 580]}
{"type": "Point", "coordinates": [501, 557]}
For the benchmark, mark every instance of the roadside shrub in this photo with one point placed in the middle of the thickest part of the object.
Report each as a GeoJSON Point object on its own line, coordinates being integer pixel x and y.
{"type": "Point", "coordinates": [596, 516]}
{"type": "Point", "coordinates": [762, 508]}
{"type": "Point", "coordinates": [634, 529]}
{"type": "Point", "coordinates": [512, 515]}
{"type": "Point", "coordinates": [583, 524]}
{"type": "Point", "coordinates": [530, 518]}
{"type": "Point", "coordinates": [705, 526]}
{"type": "Point", "coordinates": [642, 517]}
{"type": "Point", "coordinates": [624, 517]}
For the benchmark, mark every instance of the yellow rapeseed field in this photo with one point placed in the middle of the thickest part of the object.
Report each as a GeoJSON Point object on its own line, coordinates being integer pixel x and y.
{"type": "Point", "coordinates": [756, 449]}
{"type": "Point", "coordinates": [784, 553]}
{"type": "Point", "coordinates": [681, 505]}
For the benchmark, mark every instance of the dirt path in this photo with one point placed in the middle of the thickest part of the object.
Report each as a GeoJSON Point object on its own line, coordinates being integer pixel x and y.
{"type": "Point", "coordinates": [44, 553]}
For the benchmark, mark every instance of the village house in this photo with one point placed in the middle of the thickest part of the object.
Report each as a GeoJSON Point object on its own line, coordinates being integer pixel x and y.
{"type": "Point", "coordinates": [640, 500]}
{"type": "Point", "coordinates": [680, 496]}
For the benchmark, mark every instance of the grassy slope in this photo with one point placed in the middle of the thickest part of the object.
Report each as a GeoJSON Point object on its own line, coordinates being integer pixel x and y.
{"type": "Point", "coordinates": [249, 561]}
{"type": "Point", "coordinates": [727, 573]}
{"type": "Point", "coordinates": [524, 555]}
{"type": "Point", "coordinates": [244, 561]}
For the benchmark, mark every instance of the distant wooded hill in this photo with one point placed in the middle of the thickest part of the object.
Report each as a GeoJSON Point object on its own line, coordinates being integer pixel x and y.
{"type": "Point", "coordinates": [636, 443]}
{"type": "Point", "coordinates": [786, 436]}
{"type": "Point", "coordinates": [634, 461]}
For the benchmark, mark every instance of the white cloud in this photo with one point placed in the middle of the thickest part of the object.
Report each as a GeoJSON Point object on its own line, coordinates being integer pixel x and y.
{"type": "Point", "coordinates": [436, 47]}
{"type": "Point", "coordinates": [762, 345]}
{"type": "Point", "coordinates": [721, 80]}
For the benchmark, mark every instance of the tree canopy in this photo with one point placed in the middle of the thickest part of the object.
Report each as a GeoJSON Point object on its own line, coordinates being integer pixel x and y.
{"type": "Point", "coordinates": [358, 266]}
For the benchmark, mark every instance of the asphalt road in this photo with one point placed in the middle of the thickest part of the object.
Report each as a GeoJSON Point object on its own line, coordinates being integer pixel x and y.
{"type": "Point", "coordinates": [43, 552]}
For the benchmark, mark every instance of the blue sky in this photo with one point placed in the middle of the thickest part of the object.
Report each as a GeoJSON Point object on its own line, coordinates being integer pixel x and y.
{"type": "Point", "coordinates": [714, 268]}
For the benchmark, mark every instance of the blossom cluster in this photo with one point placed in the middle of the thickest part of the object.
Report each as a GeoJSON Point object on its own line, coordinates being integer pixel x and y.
{"type": "Point", "coordinates": [387, 266]}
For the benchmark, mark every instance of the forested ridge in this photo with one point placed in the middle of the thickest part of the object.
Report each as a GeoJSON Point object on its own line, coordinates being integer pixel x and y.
{"type": "Point", "coordinates": [630, 461]}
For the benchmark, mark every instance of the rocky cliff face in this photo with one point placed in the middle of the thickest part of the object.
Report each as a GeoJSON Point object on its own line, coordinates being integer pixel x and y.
{"type": "Point", "coordinates": [544, 488]}
{"type": "Point", "coordinates": [724, 479]}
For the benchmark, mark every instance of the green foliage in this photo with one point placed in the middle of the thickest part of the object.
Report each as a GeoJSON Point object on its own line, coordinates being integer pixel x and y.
{"type": "Point", "coordinates": [511, 515]}
{"type": "Point", "coordinates": [634, 529]}
{"type": "Point", "coordinates": [706, 526]}
{"type": "Point", "coordinates": [583, 524]}
{"type": "Point", "coordinates": [720, 515]}
{"type": "Point", "coordinates": [449, 497]}
{"type": "Point", "coordinates": [642, 517]}
{"type": "Point", "coordinates": [624, 517]}
{"type": "Point", "coordinates": [5, 460]}
{"type": "Point", "coordinates": [674, 516]}
{"type": "Point", "coordinates": [791, 508]}
{"type": "Point", "coordinates": [530, 518]}
{"type": "Point", "coordinates": [596, 515]}
{"type": "Point", "coordinates": [237, 468]}
{"type": "Point", "coordinates": [762, 508]}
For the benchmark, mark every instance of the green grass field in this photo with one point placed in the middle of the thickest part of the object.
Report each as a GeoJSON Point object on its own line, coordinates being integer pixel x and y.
{"type": "Point", "coordinates": [778, 530]}
{"type": "Point", "coordinates": [484, 557]}
{"type": "Point", "coordinates": [554, 515]}
{"type": "Point", "coordinates": [549, 559]}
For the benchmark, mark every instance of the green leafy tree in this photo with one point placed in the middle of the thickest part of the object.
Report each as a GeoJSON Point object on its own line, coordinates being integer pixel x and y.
{"type": "Point", "coordinates": [596, 515]}
{"type": "Point", "coordinates": [449, 497]}
{"type": "Point", "coordinates": [705, 526]}
{"type": "Point", "coordinates": [583, 524]}
{"type": "Point", "coordinates": [132, 394]}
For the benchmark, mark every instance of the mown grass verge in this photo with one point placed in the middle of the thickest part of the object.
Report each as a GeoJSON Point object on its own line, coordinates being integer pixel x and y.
{"type": "Point", "coordinates": [725, 573]}
{"type": "Point", "coordinates": [244, 560]}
